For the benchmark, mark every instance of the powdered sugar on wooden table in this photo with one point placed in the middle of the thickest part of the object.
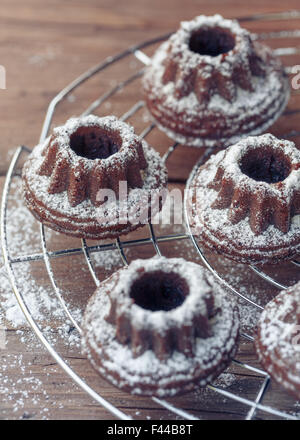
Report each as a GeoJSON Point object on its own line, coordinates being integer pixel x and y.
{"type": "Point", "coordinates": [28, 390]}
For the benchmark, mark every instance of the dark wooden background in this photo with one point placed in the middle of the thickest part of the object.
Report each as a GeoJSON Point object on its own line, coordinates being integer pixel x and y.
{"type": "Point", "coordinates": [43, 46]}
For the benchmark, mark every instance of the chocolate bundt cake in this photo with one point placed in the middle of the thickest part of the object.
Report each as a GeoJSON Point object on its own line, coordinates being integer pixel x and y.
{"type": "Point", "coordinates": [72, 181]}
{"type": "Point", "coordinates": [160, 327]}
{"type": "Point", "coordinates": [211, 83]}
{"type": "Point", "coordinates": [278, 339]}
{"type": "Point", "coordinates": [244, 202]}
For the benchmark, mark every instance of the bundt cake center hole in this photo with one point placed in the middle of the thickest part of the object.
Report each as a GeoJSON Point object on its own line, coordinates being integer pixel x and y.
{"type": "Point", "coordinates": [211, 41]}
{"type": "Point", "coordinates": [265, 165]}
{"type": "Point", "coordinates": [95, 143]}
{"type": "Point", "coordinates": [159, 291]}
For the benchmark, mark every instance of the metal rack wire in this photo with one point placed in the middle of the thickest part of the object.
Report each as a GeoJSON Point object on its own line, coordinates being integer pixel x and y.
{"type": "Point", "coordinates": [151, 238]}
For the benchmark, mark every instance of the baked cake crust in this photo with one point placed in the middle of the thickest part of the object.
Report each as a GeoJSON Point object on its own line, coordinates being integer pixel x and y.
{"type": "Point", "coordinates": [160, 351]}
{"type": "Point", "coordinates": [277, 341]}
{"type": "Point", "coordinates": [245, 216]}
{"type": "Point", "coordinates": [60, 186]}
{"type": "Point", "coordinates": [203, 96]}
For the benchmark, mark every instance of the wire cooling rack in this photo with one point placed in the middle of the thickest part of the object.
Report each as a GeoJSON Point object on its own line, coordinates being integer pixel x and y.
{"type": "Point", "coordinates": [136, 52]}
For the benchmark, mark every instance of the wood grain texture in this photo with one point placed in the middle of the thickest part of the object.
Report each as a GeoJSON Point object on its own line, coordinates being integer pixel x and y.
{"type": "Point", "coordinates": [44, 46]}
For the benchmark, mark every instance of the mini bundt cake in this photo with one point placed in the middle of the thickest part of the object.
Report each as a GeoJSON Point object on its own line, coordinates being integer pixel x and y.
{"type": "Point", "coordinates": [72, 181]}
{"type": "Point", "coordinates": [211, 83]}
{"type": "Point", "coordinates": [244, 202]}
{"type": "Point", "coordinates": [160, 327]}
{"type": "Point", "coordinates": [277, 341]}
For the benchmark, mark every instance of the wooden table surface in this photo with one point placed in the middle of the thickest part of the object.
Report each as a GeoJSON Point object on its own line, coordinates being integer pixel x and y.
{"type": "Point", "coordinates": [44, 45]}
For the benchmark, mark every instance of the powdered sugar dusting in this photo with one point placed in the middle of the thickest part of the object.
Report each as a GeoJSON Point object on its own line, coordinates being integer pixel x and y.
{"type": "Point", "coordinates": [231, 163]}
{"type": "Point", "coordinates": [111, 124]}
{"type": "Point", "coordinates": [85, 215]}
{"type": "Point", "coordinates": [179, 43]}
{"type": "Point", "coordinates": [26, 389]}
{"type": "Point", "coordinates": [118, 360]}
{"type": "Point", "coordinates": [238, 239]}
{"type": "Point", "coordinates": [194, 301]}
{"type": "Point", "coordinates": [189, 114]}
{"type": "Point", "coordinates": [278, 342]}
